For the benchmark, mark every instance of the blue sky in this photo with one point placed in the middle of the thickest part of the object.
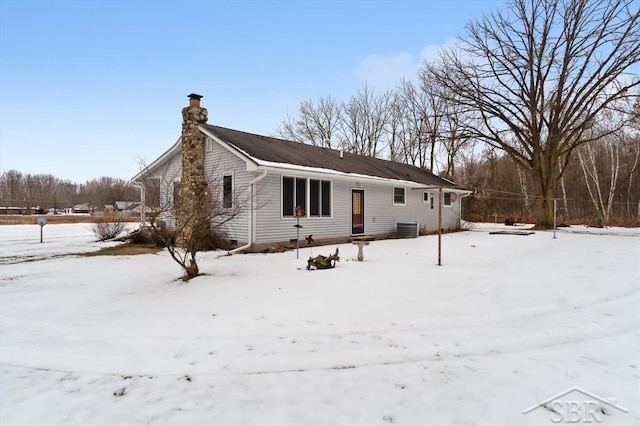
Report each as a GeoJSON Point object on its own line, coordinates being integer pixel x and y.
{"type": "Point", "coordinates": [87, 88]}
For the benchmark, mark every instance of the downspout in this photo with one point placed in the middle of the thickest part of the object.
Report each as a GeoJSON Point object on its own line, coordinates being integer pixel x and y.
{"type": "Point", "coordinates": [460, 209]}
{"type": "Point", "coordinates": [143, 207]}
{"type": "Point", "coordinates": [251, 213]}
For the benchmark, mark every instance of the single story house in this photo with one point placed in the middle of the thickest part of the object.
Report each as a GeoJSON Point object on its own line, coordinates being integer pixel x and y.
{"type": "Point", "coordinates": [81, 208]}
{"type": "Point", "coordinates": [333, 194]}
{"type": "Point", "coordinates": [125, 206]}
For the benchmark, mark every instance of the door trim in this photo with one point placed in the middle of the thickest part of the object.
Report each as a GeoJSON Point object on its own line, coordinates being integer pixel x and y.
{"type": "Point", "coordinates": [357, 211]}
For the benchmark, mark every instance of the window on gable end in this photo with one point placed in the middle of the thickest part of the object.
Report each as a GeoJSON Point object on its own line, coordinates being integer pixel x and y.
{"type": "Point", "coordinates": [176, 193]}
{"type": "Point", "coordinates": [227, 191]}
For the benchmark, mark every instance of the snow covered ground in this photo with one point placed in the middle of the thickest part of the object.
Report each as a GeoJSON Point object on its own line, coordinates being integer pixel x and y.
{"type": "Point", "coordinates": [506, 323]}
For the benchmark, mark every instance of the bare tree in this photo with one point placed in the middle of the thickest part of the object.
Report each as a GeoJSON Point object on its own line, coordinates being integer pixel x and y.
{"type": "Point", "coordinates": [601, 197]}
{"type": "Point", "coordinates": [201, 227]}
{"type": "Point", "coordinates": [413, 135]}
{"type": "Point", "coordinates": [395, 129]}
{"type": "Point", "coordinates": [364, 122]}
{"type": "Point", "coordinates": [631, 149]}
{"type": "Point", "coordinates": [540, 73]}
{"type": "Point", "coordinates": [454, 138]}
{"type": "Point", "coordinates": [435, 111]}
{"type": "Point", "coordinates": [314, 124]}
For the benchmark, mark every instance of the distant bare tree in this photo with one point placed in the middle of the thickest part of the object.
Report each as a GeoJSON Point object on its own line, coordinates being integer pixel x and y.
{"type": "Point", "coordinates": [395, 140]}
{"type": "Point", "coordinates": [540, 73]}
{"type": "Point", "coordinates": [108, 190]}
{"type": "Point", "coordinates": [413, 129]}
{"type": "Point", "coordinates": [364, 124]}
{"type": "Point", "coordinates": [314, 124]}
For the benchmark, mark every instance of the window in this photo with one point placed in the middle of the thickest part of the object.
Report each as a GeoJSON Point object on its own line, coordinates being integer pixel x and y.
{"type": "Point", "coordinates": [294, 194]}
{"type": "Point", "coordinates": [176, 193]}
{"type": "Point", "coordinates": [425, 197]}
{"type": "Point", "coordinates": [319, 197]}
{"type": "Point", "coordinates": [398, 196]}
{"type": "Point", "coordinates": [227, 191]}
{"type": "Point", "coordinates": [326, 198]}
{"type": "Point", "coordinates": [208, 145]}
{"type": "Point", "coordinates": [447, 199]}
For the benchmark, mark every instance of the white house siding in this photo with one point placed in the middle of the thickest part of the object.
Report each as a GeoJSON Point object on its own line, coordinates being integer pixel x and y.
{"type": "Point", "coordinates": [219, 162]}
{"type": "Point", "coordinates": [167, 173]}
{"type": "Point", "coordinates": [381, 216]}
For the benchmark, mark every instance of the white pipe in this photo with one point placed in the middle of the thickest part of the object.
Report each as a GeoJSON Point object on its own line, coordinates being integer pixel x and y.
{"type": "Point", "coordinates": [464, 194]}
{"type": "Point", "coordinates": [143, 207]}
{"type": "Point", "coordinates": [250, 229]}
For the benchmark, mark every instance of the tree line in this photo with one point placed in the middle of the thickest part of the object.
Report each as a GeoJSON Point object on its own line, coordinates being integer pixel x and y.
{"type": "Point", "coordinates": [536, 102]}
{"type": "Point", "coordinates": [26, 191]}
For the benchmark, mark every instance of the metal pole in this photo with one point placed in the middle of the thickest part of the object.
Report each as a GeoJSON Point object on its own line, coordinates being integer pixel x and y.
{"type": "Point", "coordinates": [439, 226]}
{"type": "Point", "coordinates": [41, 232]}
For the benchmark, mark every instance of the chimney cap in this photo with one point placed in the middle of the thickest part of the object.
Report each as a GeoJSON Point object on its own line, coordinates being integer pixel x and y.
{"type": "Point", "coordinates": [194, 96]}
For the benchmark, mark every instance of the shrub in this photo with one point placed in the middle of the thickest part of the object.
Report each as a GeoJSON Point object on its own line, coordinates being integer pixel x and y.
{"type": "Point", "coordinates": [104, 229]}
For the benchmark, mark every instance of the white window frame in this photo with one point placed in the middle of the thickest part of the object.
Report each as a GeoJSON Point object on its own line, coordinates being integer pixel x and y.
{"type": "Point", "coordinates": [174, 182]}
{"type": "Point", "coordinates": [233, 181]}
{"type": "Point", "coordinates": [208, 145]}
{"type": "Point", "coordinates": [404, 196]}
{"type": "Point", "coordinates": [295, 193]}
{"type": "Point", "coordinates": [307, 186]}
{"type": "Point", "coordinates": [428, 197]}
{"type": "Point", "coordinates": [319, 216]}
{"type": "Point", "coordinates": [444, 199]}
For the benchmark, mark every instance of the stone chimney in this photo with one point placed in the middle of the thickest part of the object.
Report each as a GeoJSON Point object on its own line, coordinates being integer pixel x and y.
{"type": "Point", "coordinates": [192, 214]}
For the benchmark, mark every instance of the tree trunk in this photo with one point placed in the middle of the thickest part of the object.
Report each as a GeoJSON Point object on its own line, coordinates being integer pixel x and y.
{"type": "Point", "coordinates": [543, 188]}
{"type": "Point", "coordinates": [565, 204]}
{"type": "Point", "coordinates": [190, 271]}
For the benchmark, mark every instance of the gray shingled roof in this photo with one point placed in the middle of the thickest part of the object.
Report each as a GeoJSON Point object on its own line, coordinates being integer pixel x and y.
{"type": "Point", "coordinates": [282, 151]}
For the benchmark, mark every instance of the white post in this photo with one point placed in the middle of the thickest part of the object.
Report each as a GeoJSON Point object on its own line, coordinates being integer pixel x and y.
{"type": "Point", "coordinates": [297, 238]}
{"type": "Point", "coordinates": [439, 226]}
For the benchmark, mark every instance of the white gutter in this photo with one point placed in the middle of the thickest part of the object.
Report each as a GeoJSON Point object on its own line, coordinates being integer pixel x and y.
{"type": "Point", "coordinates": [251, 214]}
{"type": "Point", "coordinates": [323, 173]}
{"type": "Point", "coordinates": [143, 207]}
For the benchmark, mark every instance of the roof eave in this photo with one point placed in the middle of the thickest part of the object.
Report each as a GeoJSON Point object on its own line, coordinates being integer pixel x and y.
{"type": "Point", "coordinates": [280, 167]}
{"type": "Point", "coordinates": [249, 160]}
{"type": "Point", "coordinates": [147, 170]}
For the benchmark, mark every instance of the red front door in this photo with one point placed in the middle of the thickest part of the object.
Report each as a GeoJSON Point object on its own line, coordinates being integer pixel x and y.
{"type": "Point", "coordinates": [357, 211]}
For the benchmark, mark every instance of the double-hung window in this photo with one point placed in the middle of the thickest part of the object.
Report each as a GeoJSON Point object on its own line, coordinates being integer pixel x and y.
{"type": "Point", "coordinates": [447, 199]}
{"type": "Point", "coordinates": [176, 194]}
{"type": "Point", "coordinates": [227, 191]}
{"type": "Point", "coordinates": [399, 196]}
